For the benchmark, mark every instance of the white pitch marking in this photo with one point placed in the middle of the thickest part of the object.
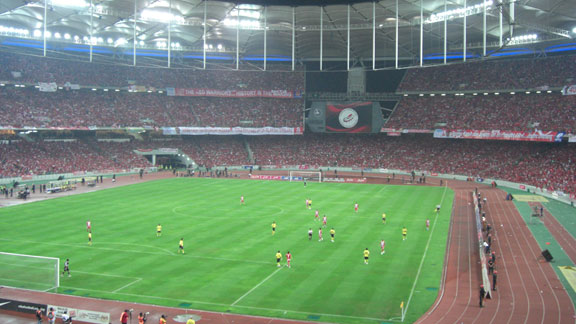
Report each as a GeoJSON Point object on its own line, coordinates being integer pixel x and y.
{"type": "Point", "coordinates": [254, 288]}
{"type": "Point", "coordinates": [128, 285]}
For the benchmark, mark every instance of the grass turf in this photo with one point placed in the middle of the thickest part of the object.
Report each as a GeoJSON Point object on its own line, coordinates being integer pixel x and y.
{"type": "Point", "coordinates": [229, 263]}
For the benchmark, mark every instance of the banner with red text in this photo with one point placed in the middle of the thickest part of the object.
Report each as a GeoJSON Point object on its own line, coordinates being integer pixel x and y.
{"type": "Point", "coordinates": [345, 180]}
{"type": "Point", "coordinates": [569, 90]}
{"type": "Point", "coordinates": [537, 136]}
{"type": "Point", "coordinates": [232, 130]}
{"type": "Point", "coordinates": [278, 94]}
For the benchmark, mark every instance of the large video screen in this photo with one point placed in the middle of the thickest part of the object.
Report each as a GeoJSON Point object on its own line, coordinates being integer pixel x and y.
{"type": "Point", "coordinates": [349, 118]}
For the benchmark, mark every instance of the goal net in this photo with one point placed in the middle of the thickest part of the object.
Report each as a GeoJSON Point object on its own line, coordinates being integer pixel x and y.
{"type": "Point", "coordinates": [29, 271]}
{"type": "Point", "coordinates": [314, 176]}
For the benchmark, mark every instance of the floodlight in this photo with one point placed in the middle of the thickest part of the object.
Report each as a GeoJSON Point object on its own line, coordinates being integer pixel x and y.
{"type": "Point", "coordinates": [57, 35]}
{"type": "Point", "coordinates": [219, 46]}
{"type": "Point", "coordinates": [70, 3]}
{"type": "Point", "coordinates": [37, 33]}
{"type": "Point", "coordinates": [66, 36]}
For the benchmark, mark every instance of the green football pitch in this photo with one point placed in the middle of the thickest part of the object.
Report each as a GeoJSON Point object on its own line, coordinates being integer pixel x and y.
{"type": "Point", "coordinates": [230, 264]}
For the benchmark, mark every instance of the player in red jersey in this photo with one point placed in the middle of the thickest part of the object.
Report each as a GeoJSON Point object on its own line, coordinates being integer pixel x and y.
{"type": "Point", "coordinates": [241, 200]}
{"type": "Point", "coordinates": [382, 247]}
{"type": "Point", "coordinates": [427, 224]}
{"type": "Point", "coordinates": [356, 207]}
{"type": "Point", "coordinates": [324, 220]}
{"type": "Point", "coordinates": [288, 258]}
{"type": "Point", "coordinates": [316, 215]}
{"type": "Point", "coordinates": [307, 202]}
{"type": "Point", "coordinates": [89, 226]}
{"type": "Point", "coordinates": [320, 234]}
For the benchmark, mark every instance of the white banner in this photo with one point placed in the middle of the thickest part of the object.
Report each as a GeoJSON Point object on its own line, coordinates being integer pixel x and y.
{"type": "Point", "coordinates": [569, 90]}
{"type": "Point", "coordinates": [234, 131]}
{"type": "Point", "coordinates": [572, 139]}
{"type": "Point", "coordinates": [82, 314]}
{"type": "Point", "coordinates": [47, 86]}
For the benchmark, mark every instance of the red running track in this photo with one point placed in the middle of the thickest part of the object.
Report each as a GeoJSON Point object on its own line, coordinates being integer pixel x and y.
{"type": "Point", "coordinates": [528, 289]}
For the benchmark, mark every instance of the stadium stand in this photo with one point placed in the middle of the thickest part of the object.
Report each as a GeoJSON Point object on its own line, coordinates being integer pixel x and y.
{"type": "Point", "coordinates": [520, 74]}
{"type": "Point", "coordinates": [84, 108]}
{"type": "Point", "coordinates": [548, 166]}
{"type": "Point", "coordinates": [36, 69]}
{"type": "Point", "coordinates": [550, 112]}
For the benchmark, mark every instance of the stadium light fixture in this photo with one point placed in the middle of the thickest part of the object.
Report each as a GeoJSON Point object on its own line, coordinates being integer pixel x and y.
{"type": "Point", "coordinates": [432, 95]}
{"type": "Point", "coordinates": [70, 3]}
{"type": "Point", "coordinates": [443, 94]}
{"type": "Point", "coordinates": [421, 95]}
{"type": "Point", "coordinates": [485, 93]}
{"type": "Point", "coordinates": [117, 90]}
{"type": "Point", "coordinates": [94, 89]}
{"type": "Point", "coordinates": [220, 46]}
{"type": "Point", "coordinates": [109, 41]}
{"type": "Point", "coordinates": [512, 92]}
{"type": "Point", "coordinates": [37, 33]}
{"type": "Point", "coordinates": [57, 35]}
{"type": "Point", "coordinates": [105, 90]}
{"type": "Point", "coordinates": [538, 91]}
{"type": "Point", "coordinates": [527, 92]}
{"type": "Point", "coordinates": [161, 16]}
{"type": "Point", "coordinates": [475, 93]}
{"type": "Point", "coordinates": [549, 91]}
{"type": "Point", "coordinates": [67, 36]}
{"type": "Point", "coordinates": [2, 84]}
{"type": "Point", "coordinates": [496, 93]}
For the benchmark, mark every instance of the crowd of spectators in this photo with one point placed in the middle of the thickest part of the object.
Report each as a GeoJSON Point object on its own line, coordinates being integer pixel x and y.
{"type": "Point", "coordinates": [522, 112]}
{"type": "Point", "coordinates": [548, 166]}
{"type": "Point", "coordinates": [544, 165]}
{"type": "Point", "coordinates": [85, 108]}
{"type": "Point", "coordinates": [24, 158]}
{"type": "Point", "coordinates": [33, 69]}
{"type": "Point", "coordinates": [527, 73]}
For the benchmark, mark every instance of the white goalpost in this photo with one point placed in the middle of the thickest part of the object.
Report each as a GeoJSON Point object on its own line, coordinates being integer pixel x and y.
{"type": "Point", "coordinates": [315, 176]}
{"type": "Point", "coordinates": [29, 271]}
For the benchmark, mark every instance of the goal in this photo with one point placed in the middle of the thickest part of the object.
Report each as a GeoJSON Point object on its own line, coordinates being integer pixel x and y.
{"type": "Point", "coordinates": [315, 176]}
{"type": "Point", "coordinates": [29, 271]}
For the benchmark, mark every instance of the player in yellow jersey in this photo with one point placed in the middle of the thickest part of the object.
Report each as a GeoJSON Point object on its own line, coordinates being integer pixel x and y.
{"type": "Point", "coordinates": [190, 321]}
{"type": "Point", "coordinates": [384, 218]}
{"type": "Point", "coordinates": [366, 256]}
{"type": "Point", "coordinates": [309, 203]}
{"type": "Point", "coordinates": [158, 230]}
{"type": "Point", "coordinates": [181, 246]}
{"type": "Point", "coordinates": [273, 228]}
{"type": "Point", "coordinates": [404, 233]}
{"type": "Point", "coordinates": [90, 238]}
{"type": "Point", "coordinates": [278, 258]}
{"type": "Point", "coordinates": [332, 233]}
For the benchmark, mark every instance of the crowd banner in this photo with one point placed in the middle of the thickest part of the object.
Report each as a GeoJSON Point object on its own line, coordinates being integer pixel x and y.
{"type": "Point", "coordinates": [19, 306]}
{"type": "Point", "coordinates": [536, 136]}
{"type": "Point", "coordinates": [47, 86]}
{"type": "Point", "coordinates": [394, 131]}
{"type": "Point", "coordinates": [82, 314]}
{"type": "Point", "coordinates": [572, 138]}
{"type": "Point", "coordinates": [569, 90]}
{"type": "Point", "coordinates": [233, 130]}
{"type": "Point", "coordinates": [278, 94]}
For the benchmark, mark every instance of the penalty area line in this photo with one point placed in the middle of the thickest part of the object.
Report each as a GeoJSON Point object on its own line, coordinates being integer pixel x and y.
{"type": "Point", "coordinates": [254, 288]}
{"type": "Point", "coordinates": [128, 285]}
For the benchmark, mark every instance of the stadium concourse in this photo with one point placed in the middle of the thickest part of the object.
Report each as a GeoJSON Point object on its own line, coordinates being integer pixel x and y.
{"type": "Point", "coordinates": [528, 290]}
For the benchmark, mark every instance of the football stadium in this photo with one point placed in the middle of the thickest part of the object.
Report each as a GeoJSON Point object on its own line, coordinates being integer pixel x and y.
{"type": "Point", "coordinates": [287, 161]}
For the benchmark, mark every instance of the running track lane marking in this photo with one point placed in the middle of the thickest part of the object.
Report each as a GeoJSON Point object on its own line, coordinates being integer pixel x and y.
{"type": "Point", "coordinates": [405, 310]}
{"type": "Point", "coordinates": [254, 288]}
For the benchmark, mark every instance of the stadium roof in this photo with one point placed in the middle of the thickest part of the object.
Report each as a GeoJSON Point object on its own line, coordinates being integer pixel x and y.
{"type": "Point", "coordinates": [537, 24]}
